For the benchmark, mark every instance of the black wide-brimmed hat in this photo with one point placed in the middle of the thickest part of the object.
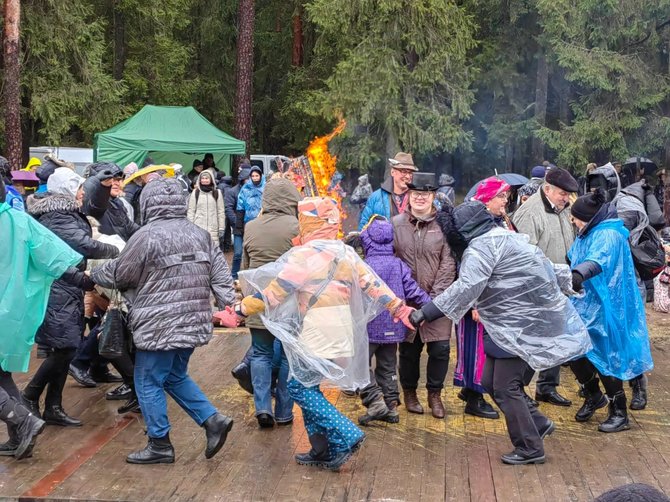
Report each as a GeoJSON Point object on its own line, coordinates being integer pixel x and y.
{"type": "Point", "coordinates": [423, 182]}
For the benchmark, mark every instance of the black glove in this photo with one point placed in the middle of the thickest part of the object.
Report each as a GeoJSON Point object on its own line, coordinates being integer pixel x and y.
{"type": "Point", "coordinates": [105, 175]}
{"type": "Point", "coordinates": [577, 280]}
{"type": "Point", "coordinates": [417, 317]}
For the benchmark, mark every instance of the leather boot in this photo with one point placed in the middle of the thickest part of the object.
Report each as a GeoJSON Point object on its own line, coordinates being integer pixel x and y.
{"type": "Point", "coordinates": [478, 407]}
{"type": "Point", "coordinates": [26, 427]}
{"type": "Point", "coordinates": [617, 419]}
{"type": "Point", "coordinates": [376, 411]}
{"type": "Point", "coordinates": [594, 400]}
{"type": "Point", "coordinates": [639, 386]}
{"type": "Point", "coordinates": [242, 373]}
{"type": "Point", "coordinates": [157, 451]}
{"type": "Point", "coordinates": [435, 403]}
{"type": "Point", "coordinates": [412, 403]}
{"type": "Point", "coordinates": [55, 415]}
{"type": "Point", "coordinates": [216, 428]}
{"type": "Point", "coordinates": [33, 406]}
{"type": "Point", "coordinates": [130, 406]}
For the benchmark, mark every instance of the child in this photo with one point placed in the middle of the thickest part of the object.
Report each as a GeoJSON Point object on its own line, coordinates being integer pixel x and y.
{"type": "Point", "coordinates": [384, 334]}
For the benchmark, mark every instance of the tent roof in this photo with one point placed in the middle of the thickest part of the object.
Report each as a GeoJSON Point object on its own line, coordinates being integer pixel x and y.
{"type": "Point", "coordinates": [164, 129]}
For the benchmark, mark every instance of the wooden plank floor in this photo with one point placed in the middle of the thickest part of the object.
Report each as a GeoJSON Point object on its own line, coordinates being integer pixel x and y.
{"type": "Point", "coordinates": [419, 459]}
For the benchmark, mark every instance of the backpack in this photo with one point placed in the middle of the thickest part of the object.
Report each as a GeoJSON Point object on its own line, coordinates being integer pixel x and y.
{"type": "Point", "coordinates": [648, 254]}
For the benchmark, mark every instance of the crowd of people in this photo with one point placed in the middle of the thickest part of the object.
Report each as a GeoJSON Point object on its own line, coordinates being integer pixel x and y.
{"type": "Point", "coordinates": [529, 279]}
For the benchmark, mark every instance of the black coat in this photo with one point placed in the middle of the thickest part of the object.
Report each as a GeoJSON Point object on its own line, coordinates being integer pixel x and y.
{"type": "Point", "coordinates": [230, 205]}
{"type": "Point", "coordinates": [63, 324]}
{"type": "Point", "coordinates": [132, 193]}
{"type": "Point", "coordinates": [109, 211]}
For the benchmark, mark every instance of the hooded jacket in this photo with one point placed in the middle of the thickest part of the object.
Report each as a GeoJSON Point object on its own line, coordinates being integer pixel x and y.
{"type": "Point", "coordinates": [250, 198]}
{"type": "Point", "coordinates": [206, 208]}
{"type": "Point", "coordinates": [167, 272]}
{"type": "Point", "coordinates": [638, 207]}
{"type": "Point", "coordinates": [377, 241]}
{"type": "Point", "coordinates": [380, 202]}
{"type": "Point", "coordinates": [63, 324]}
{"type": "Point", "coordinates": [270, 235]}
{"type": "Point", "coordinates": [550, 230]}
{"type": "Point", "coordinates": [421, 245]}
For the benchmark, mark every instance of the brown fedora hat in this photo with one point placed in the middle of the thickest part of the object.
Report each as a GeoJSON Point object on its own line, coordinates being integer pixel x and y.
{"type": "Point", "coordinates": [403, 160]}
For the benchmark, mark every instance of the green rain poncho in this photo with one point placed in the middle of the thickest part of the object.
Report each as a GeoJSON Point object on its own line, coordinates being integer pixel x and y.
{"type": "Point", "coordinates": [31, 259]}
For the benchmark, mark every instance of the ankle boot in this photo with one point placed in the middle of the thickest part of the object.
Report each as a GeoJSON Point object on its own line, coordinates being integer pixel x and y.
{"type": "Point", "coordinates": [376, 411]}
{"type": "Point", "coordinates": [33, 406]}
{"type": "Point", "coordinates": [216, 428]}
{"type": "Point", "coordinates": [412, 403]}
{"type": "Point", "coordinates": [26, 427]}
{"type": "Point", "coordinates": [393, 417]}
{"type": "Point", "coordinates": [617, 419]}
{"type": "Point", "coordinates": [639, 399]}
{"type": "Point", "coordinates": [242, 373]}
{"type": "Point", "coordinates": [435, 403]}
{"type": "Point", "coordinates": [55, 415]}
{"type": "Point", "coordinates": [157, 451]}
{"type": "Point", "coordinates": [318, 456]}
{"type": "Point", "coordinates": [593, 401]}
{"type": "Point", "coordinates": [477, 406]}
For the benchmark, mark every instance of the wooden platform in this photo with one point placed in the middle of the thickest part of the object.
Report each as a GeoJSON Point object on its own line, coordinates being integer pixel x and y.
{"type": "Point", "coordinates": [419, 459]}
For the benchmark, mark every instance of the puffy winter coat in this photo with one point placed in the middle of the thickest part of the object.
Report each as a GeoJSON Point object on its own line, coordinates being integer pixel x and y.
{"type": "Point", "coordinates": [63, 324]}
{"type": "Point", "coordinates": [548, 229]}
{"type": "Point", "coordinates": [109, 211]}
{"type": "Point", "coordinates": [206, 209]}
{"type": "Point", "coordinates": [167, 271]}
{"type": "Point", "coordinates": [377, 240]}
{"type": "Point", "coordinates": [421, 245]}
{"type": "Point", "coordinates": [380, 202]}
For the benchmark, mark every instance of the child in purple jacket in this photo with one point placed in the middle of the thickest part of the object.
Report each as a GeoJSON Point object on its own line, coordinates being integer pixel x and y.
{"type": "Point", "coordinates": [384, 334]}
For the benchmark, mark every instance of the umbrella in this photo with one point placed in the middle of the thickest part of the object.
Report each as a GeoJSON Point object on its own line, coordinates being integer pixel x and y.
{"type": "Point", "coordinates": [649, 166]}
{"type": "Point", "coordinates": [512, 179]}
{"type": "Point", "coordinates": [169, 172]}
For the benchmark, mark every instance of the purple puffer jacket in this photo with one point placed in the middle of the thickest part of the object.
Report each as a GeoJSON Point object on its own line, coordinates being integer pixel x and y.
{"type": "Point", "coordinates": [377, 242]}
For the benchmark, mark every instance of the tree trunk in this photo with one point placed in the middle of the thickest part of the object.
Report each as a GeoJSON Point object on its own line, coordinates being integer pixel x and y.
{"type": "Point", "coordinates": [296, 56]}
{"type": "Point", "coordinates": [541, 85]}
{"type": "Point", "coordinates": [390, 149]}
{"type": "Point", "coordinates": [245, 72]}
{"type": "Point", "coordinates": [119, 41]}
{"type": "Point", "coordinates": [12, 71]}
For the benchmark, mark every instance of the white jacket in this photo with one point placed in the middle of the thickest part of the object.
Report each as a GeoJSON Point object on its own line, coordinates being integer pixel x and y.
{"type": "Point", "coordinates": [206, 209]}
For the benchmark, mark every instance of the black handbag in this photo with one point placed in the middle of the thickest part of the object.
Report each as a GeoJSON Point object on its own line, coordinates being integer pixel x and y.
{"type": "Point", "coordinates": [648, 254]}
{"type": "Point", "coordinates": [111, 344]}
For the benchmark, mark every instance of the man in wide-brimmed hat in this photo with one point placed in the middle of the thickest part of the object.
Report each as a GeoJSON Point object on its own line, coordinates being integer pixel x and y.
{"type": "Point", "coordinates": [391, 198]}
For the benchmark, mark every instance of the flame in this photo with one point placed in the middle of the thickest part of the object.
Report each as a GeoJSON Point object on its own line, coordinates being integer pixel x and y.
{"type": "Point", "coordinates": [324, 166]}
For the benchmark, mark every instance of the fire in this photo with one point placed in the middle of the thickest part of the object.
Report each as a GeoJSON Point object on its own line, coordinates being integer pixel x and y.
{"type": "Point", "coordinates": [324, 166]}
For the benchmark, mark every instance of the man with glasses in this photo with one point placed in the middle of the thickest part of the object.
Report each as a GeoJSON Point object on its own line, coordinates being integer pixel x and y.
{"type": "Point", "coordinates": [391, 198]}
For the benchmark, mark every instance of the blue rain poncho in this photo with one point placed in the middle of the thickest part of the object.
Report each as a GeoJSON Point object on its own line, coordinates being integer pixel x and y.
{"type": "Point", "coordinates": [611, 306]}
{"type": "Point", "coordinates": [31, 259]}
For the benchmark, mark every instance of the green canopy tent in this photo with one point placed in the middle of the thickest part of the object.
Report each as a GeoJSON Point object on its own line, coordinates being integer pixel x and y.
{"type": "Point", "coordinates": [166, 134]}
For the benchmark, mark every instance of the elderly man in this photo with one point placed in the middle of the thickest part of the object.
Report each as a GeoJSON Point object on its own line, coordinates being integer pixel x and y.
{"type": "Point", "coordinates": [391, 199]}
{"type": "Point", "coordinates": [546, 220]}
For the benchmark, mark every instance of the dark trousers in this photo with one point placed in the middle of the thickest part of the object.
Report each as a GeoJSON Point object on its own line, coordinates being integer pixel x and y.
{"type": "Point", "coordinates": [87, 356]}
{"type": "Point", "coordinates": [585, 371]}
{"type": "Point", "coordinates": [125, 365]}
{"type": "Point", "coordinates": [384, 377]}
{"type": "Point", "coordinates": [51, 375]}
{"type": "Point", "coordinates": [548, 380]}
{"type": "Point", "coordinates": [436, 369]}
{"type": "Point", "coordinates": [503, 379]}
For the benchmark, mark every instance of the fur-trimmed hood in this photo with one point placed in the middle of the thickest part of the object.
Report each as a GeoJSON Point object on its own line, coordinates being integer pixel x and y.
{"type": "Point", "coordinates": [49, 203]}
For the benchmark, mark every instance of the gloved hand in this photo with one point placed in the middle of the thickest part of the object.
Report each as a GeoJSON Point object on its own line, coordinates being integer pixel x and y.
{"type": "Point", "coordinates": [417, 318]}
{"type": "Point", "coordinates": [577, 280]}
{"type": "Point", "coordinates": [227, 318]}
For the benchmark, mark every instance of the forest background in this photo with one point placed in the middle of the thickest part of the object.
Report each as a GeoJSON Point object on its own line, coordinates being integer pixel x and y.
{"type": "Point", "coordinates": [468, 86]}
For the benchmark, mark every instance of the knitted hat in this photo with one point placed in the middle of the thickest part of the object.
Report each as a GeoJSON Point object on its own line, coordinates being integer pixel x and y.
{"type": "Point", "coordinates": [490, 188]}
{"type": "Point", "coordinates": [538, 172]}
{"type": "Point", "coordinates": [562, 179]}
{"type": "Point", "coordinates": [586, 206]}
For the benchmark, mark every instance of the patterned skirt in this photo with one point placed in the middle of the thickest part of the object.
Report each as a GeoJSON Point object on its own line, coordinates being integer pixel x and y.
{"type": "Point", "coordinates": [470, 354]}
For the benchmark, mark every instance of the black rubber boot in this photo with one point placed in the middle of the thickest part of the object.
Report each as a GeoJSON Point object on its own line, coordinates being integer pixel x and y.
{"type": "Point", "coordinates": [27, 426]}
{"type": "Point", "coordinates": [617, 420]}
{"type": "Point", "coordinates": [157, 451]}
{"type": "Point", "coordinates": [216, 428]}
{"type": "Point", "coordinates": [639, 386]}
{"type": "Point", "coordinates": [593, 401]}
{"type": "Point", "coordinates": [318, 455]}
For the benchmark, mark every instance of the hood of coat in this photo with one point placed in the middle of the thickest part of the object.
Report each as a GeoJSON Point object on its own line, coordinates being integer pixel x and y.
{"type": "Point", "coordinates": [256, 169]}
{"type": "Point", "coordinates": [64, 181]}
{"type": "Point", "coordinates": [377, 238]}
{"type": "Point", "coordinates": [463, 223]}
{"type": "Point", "coordinates": [608, 174]}
{"type": "Point", "coordinates": [280, 197]}
{"type": "Point", "coordinates": [51, 202]}
{"type": "Point", "coordinates": [162, 199]}
{"type": "Point", "coordinates": [212, 176]}
{"type": "Point", "coordinates": [606, 212]}
{"type": "Point", "coordinates": [636, 190]}
{"type": "Point", "coordinates": [446, 180]}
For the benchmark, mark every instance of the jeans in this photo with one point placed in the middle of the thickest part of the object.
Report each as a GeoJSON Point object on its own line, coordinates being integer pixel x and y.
{"type": "Point", "coordinates": [238, 240]}
{"type": "Point", "coordinates": [321, 417]}
{"type": "Point", "coordinates": [436, 369]}
{"type": "Point", "coordinates": [51, 375]}
{"type": "Point", "coordinates": [87, 356]}
{"type": "Point", "coordinates": [262, 359]}
{"type": "Point", "coordinates": [157, 372]}
{"type": "Point", "coordinates": [503, 379]}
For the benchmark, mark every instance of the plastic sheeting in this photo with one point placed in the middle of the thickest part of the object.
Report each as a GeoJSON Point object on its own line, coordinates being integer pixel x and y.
{"type": "Point", "coordinates": [611, 307]}
{"type": "Point", "coordinates": [32, 258]}
{"type": "Point", "coordinates": [517, 293]}
{"type": "Point", "coordinates": [319, 298]}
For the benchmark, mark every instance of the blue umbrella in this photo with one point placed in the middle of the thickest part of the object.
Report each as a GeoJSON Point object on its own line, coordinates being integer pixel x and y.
{"type": "Point", "coordinates": [512, 179]}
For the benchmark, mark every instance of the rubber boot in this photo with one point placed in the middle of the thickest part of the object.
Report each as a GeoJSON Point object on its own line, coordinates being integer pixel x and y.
{"type": "Point", "coordinates": [216, 428]}
{"type": "Point", "coordinates": [157, 451]}
{"type": "Point", "coordinates": [412, 403]}
{"type": "Point", "coordinates": [593, 401]}
{"type": "Point", "coordinates": [639, 386]}
{"type": "Point", "coordinates": [376, 411]}
{"type": "Point", "coordinates": [318, 455]}
{"type": "Point", "coordinates": [27, 426]}
{"type": "Point", "coordinates": [617, 419]}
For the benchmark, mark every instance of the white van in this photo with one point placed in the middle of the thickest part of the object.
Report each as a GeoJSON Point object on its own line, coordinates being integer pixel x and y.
{"type": "Point", "coordinates": [267, 162]}
{"type": "Point", "coordinates": [80, 157]}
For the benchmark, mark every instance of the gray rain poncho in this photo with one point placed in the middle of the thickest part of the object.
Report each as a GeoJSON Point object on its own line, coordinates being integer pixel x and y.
{"type": "Point", "coordinates": [516, 291]}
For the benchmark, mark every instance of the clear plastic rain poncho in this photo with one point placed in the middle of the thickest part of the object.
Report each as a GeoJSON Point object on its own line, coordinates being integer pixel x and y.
{"type": "Point", "coordinates": [519, 295]}
{"type": "Point", "coordinates": [319, 298]}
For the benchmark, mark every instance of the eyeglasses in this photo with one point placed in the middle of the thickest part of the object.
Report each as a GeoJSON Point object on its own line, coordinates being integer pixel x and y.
{"type": "Point", "coordinates": [404, 172]}
{"type": "Point", "coordinates": [420, 195]}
